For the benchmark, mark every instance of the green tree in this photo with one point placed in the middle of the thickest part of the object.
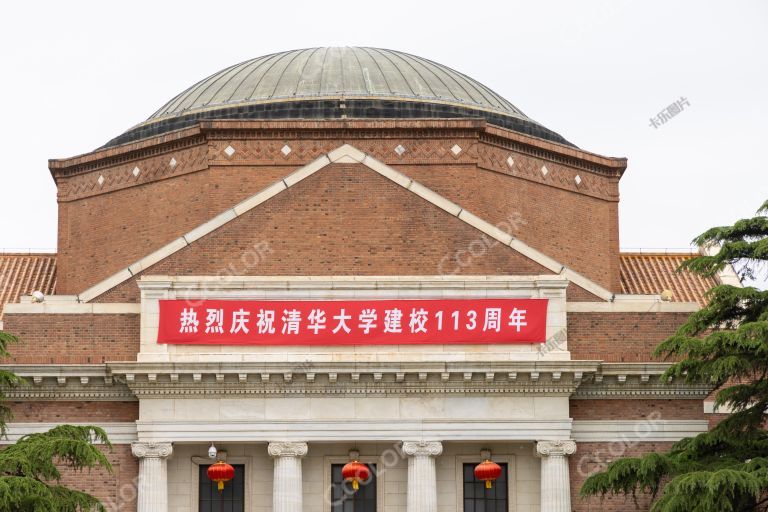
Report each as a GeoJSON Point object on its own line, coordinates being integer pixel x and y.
{"type": "Point", "coordinates": [30, 469]}
{"type": "Point", "coordinates": [724, 344]}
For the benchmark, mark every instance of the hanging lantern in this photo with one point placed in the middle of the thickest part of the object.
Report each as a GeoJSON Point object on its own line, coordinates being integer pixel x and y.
{"type": "Point", "coordinates": [488, 471]}
{"type": "Point", "coordinates": [355, 472]}
{"type": "Point", "coordinates": [221, 472]}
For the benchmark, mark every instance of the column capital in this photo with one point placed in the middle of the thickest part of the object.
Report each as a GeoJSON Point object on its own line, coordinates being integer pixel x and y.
{"type": "Point", "coordinates": [287, 449]}
{"type": "Point", "coordinates": [422, 448]}
{"type": "Point", "coordinates": [556, 448]}
{"type": "Point", "coordinates": [151, 449]}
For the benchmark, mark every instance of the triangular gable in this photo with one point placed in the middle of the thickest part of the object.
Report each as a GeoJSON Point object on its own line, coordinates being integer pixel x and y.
{"type": "Point", "coordinates": [345, 154]}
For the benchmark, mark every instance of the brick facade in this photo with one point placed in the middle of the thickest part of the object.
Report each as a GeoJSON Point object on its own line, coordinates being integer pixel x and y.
{"type": "Point", "coordinates": [620, 337]}
{"type": "Point", "coordinates": [117, 490]}
{"type": "Point", "coordinates": [73, 339]}
{"type": "Point", "coordinates": [118, 205]}
{"type": "Point", "coordinates": [103, 228]}
{"type": "Point", "coordinates": [343, 220]}
{"type": "Point", "coordinates": [61, 411]}
{"type": "Point", "coordinates": [678, 409]}
{"type": "Point", "coordinates": [591, 458]}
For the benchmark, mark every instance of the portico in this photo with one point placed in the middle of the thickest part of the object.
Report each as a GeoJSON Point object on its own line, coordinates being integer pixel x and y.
{"type": "Point", "coordinates": [418, 412]}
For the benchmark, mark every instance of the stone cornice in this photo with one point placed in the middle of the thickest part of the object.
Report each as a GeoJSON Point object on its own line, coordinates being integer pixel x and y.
{"type": "Point", "coordinates": [334, 128]}
{"type": "Point", "coordinates": [636, 380]}
{"type": "Point", "coordinates": [67, 382]}
{"type": "Point", "coordinates": [339, 378]}
{"type": "Point", "coordinates": [130, 380]}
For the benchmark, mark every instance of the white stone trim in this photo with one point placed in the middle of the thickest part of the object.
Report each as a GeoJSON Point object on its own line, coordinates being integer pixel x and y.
{"type": "Point", "coordinates": [344, 153]}
{"type": "Point", "coordinates": [709, 408]}
{"type": "Point", "coordinates": [728, 274]}
{"type": "Point", "coordinates": [648, 430]}
{"type": "Point", "coordinates": [73, 308]}
{"type": "Point", "coordinates": [118, 432]}
{"type": "Point", "coordinates": [359, 430]}
{"type": "Point", "coordinates": [156, 288]}
{"type": "Point", "coordinates": [632, 306]}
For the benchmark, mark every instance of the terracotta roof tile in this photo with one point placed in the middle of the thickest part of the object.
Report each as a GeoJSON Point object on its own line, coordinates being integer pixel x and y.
{"type": "Point", "coordinates": [21, 274]}
{"type": "Point", "coordinates": [652, 273]}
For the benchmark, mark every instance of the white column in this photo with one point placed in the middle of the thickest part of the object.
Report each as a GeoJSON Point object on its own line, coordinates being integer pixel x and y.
{"type": "Point", "coordinates": [153, 475]}
{"type": "Point", "coordinates": [422, 478]}
{"type": "Point", "coordinates": [555, 476]}
{"type": "Point", "coordinates": [286, 484]}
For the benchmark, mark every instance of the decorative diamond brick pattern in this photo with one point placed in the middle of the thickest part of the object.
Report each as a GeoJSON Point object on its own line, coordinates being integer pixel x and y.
{"type": "Point", "coordinates": [122, 176]}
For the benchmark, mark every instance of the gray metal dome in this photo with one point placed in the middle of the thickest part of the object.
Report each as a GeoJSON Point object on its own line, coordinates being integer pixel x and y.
{"type": "Point", "coordinates": [323, 83]}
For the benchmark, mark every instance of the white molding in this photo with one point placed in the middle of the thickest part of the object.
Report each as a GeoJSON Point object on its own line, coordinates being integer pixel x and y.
{"type": "Point", "coordinates": [118, 432]}
{"type": "Point", "coordinates": [632, 306]}
{"type": "Point", "coordinates": [709, 408]}
{"type": "Point", "coordinates": [344, 153]}
{"type": "Point", "coordinates": [728, 274]}
{"type": "Point", "coordinates": [201, 286]}
{"type": "Point", "coordinates": [359, 430]}
{"type": "Point", "coordinates": [73, 308]}
{"type": "Point", "coordinates": [648, 430]}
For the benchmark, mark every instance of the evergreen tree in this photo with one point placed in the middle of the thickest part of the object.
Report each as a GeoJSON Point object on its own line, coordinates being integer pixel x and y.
{"type": "Point", "coordinates": [724, 344]}
{"type": "Point", "coordinates": [30, 469]}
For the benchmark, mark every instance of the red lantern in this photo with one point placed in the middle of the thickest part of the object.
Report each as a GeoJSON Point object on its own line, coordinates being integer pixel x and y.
{"type": "Point", "coordinates": [488, 471]}
{"type": "Point", "coordinates": [355, 472]}
{"type": "Point", "coordinates": [221, 472]}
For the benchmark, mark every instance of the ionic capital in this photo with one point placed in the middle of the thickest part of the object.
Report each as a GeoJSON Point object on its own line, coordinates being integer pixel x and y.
{"type": "Point", "coordinates": [151, 449]}
{"type": "Point", "coordinates": [556, 448]}
{"type": "Point", "coordinates": [422, 448]}
{"type": "Point", "coordinates": [287, 449]}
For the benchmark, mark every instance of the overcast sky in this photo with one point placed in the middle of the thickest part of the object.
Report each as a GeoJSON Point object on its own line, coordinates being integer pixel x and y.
{"type": "Point", "coordinates": [75, 74]}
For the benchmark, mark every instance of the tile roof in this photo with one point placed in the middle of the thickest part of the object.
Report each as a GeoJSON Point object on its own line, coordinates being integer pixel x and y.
{"type": "Point", "coordinates": [652, 273]}
{"type": "Point", "coordinates": [21, 274]}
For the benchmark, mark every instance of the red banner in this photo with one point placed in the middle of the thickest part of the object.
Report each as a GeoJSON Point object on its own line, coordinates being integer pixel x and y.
{"type": "Point", "coordinates": [352, 322]}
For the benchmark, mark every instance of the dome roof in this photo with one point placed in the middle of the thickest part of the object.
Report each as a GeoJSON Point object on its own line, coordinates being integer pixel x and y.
{"type": "Point", "coordinates": [332, 83]}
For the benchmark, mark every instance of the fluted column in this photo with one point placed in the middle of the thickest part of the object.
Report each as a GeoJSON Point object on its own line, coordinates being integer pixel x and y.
{"type": "Point", "coordinates": [555, 476]}
{"type": "Point", "coordinates": [286, 484]}
{"type": "Point", "coordinates": [153, 475]}
{"type": "Point", "coordinates": [422, 477]}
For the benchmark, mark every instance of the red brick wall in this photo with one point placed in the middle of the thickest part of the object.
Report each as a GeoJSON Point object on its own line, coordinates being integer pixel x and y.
{"type": "Point", "coordinates": [118, 490]}
{"type": "Point", "coordinates": [637, 409]}
{"type": "Point", "coordinates": [74, 412]}
{"type": "Point", "coordinates": [620, 337]}
{"type": "Point", "coordinates": [104, 229]}
{"type": "Point", "coordinates": [72, 339]}
{"type": "Point", "coordinates": [574, 229]}
{"type": "Point", "coordinates": [591, 457]}
{"type": "Point", "coordinates": [103, 234]}
{"type": "Point", "coordinates": [344, 220]}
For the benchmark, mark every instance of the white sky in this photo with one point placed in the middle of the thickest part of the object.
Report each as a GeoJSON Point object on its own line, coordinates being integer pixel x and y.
{"type": "Point", "coordinates": [75, 74]}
